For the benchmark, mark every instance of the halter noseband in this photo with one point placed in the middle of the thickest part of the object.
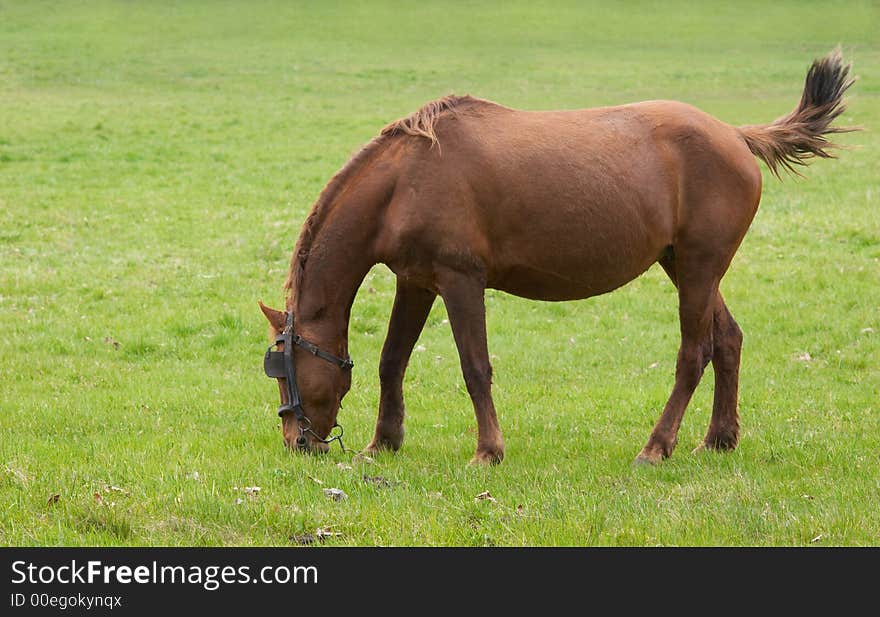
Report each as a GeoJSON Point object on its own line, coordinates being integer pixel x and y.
{"type": "Point", "coordinates": [279, 364]}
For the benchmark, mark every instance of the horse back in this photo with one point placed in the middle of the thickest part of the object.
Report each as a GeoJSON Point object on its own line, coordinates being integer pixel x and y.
{"type": "Point", "coordinates": [560, 205]}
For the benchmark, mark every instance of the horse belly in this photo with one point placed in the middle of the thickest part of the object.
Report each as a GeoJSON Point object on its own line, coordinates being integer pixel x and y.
{"type": "Point", "coordinates": [569, 270]}
{"type": "Point", "coordinates": [558, 247]}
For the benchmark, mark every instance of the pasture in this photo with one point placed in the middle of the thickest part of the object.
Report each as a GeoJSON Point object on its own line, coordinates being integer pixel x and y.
{"type": "Point", "coordinates": [157, 161]}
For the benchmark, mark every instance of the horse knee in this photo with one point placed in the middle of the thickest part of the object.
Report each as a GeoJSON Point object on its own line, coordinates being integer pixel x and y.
{"type": "Point", "coordinates": [692, 362]}
{"type": "Point", "coordinates": [478, 379]}
{"type": "Point", "coordinates": [390, 370]}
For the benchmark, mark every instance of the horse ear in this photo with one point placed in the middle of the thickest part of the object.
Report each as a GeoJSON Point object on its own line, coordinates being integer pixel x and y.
{"type": "Point", "coordinates": [276, 318]}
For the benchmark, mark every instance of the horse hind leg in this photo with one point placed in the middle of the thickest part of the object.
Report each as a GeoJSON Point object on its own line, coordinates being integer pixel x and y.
{"type": "Point", "coordinates": [723, 433]}
{"type": "Point", "coordinates": [697, 290]}
{"type": "Point", "coordinates": [727, 337]}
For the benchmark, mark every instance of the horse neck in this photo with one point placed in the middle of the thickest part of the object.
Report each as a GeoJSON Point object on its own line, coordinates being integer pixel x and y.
{"type": "Point", "coordinates": [322, 305]}
{"type": "Point", "coordinates": [341, 254]}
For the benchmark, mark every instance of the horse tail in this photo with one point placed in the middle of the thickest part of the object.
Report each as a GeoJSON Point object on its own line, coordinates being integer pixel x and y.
{"type": "Point", "coordinates": [800, 135]}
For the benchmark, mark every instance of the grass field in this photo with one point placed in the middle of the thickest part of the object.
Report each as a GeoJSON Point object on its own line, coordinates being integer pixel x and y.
{"type": "Point", "coordinates": [156, 163]}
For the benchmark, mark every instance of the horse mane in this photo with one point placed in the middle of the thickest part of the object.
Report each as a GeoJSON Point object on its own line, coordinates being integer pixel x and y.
{"type": "Point", "coordinates": [419, 124]}
{"type": "Point", "coordinates": [319, 212]}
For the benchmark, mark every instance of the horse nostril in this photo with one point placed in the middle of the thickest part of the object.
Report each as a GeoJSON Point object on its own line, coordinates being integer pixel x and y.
{"type": "Point", "coordinates": [301, 441]}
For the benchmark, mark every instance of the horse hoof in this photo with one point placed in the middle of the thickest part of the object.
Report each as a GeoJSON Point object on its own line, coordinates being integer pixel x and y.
{"type": "Point", "coordinates": [648, 458]}
{"type": "Point", "coordinates": [386, 441]}
{"type": "Point", "coordinates": [382, 445]}
{"type": "Point", "coordinates": [722, 442]}
{"type": "Point", "coordinates": [371, 452]}
{"type": "Point", "coordinates": [486, 458]}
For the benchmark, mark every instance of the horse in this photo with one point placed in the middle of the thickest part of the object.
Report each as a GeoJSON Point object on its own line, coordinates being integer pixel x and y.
{"type": "Point", "coordinates": [466, 194]}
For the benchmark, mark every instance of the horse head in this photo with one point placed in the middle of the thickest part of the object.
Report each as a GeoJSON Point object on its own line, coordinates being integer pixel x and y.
{"type": "Point", "coordinates": [311, 383]}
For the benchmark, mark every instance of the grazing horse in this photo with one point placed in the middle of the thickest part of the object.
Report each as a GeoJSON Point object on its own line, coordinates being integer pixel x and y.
{"type": "Point", "coordinates": [466, 194]}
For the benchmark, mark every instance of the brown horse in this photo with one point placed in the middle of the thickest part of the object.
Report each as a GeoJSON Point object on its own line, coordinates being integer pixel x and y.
{"type": "Point", "coordinates": [466, 194]}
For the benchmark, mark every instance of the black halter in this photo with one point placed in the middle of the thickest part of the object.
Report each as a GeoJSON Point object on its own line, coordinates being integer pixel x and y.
{"type": "Point", "coordinates": [279, 364]}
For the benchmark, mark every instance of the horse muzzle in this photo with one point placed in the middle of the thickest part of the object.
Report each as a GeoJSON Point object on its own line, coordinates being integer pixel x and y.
{"type": "Point", "coordinates": [305, 444]}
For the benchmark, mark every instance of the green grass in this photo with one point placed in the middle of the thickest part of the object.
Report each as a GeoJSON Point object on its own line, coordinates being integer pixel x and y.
{"type": "Point", "coordinates": [156, 163]}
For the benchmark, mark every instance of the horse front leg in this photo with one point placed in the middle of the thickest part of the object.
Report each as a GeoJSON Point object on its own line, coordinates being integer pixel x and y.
{"type": "Point", "coordinates": [411, 308]}
{"type": "Point", "coordinates": [465, 304]}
